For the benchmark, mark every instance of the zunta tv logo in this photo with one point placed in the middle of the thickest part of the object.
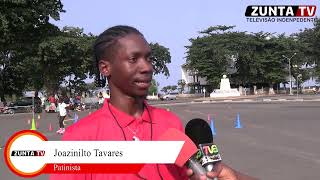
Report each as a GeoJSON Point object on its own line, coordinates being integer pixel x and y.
{"type": "Point", "coordinates": [281, 13]}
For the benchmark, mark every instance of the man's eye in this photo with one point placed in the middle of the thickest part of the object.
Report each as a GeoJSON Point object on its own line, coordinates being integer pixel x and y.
{"type": "Point", "coordinates": [133, 59]}
{"type": "Point", "coordinates": [149, 58]}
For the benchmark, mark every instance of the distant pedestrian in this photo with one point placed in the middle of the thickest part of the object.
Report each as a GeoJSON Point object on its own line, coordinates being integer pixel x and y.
{"type": "Point", "coordinates": [100, 99]}
{"type": "Point", "coordinates": [67, 101]}
{"type": "Point", "coordinates": [62, 106]}
{"type": "Point", "coordinates": [52, 101]}
{"type": "Point", "coordinates": [78, 103]}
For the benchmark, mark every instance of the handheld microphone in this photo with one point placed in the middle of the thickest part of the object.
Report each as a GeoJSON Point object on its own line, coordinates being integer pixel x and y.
{"type": "Point", "coordinates": [200, 132]}
{"type": "Point", "coordinates": [187, 153]}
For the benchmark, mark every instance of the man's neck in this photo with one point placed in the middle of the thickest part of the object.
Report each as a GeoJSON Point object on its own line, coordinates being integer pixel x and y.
{"type": "Point", "coordinates": [129, 105]}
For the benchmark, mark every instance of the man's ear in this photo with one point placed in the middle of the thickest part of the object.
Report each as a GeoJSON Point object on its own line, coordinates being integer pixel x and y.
{"type": "Point", "coordinates": [105, 67]}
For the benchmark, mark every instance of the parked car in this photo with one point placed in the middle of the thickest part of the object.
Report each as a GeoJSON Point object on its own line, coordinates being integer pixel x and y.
{"type": "Point", "coordinates": [150, 97]}
{"type": "Point", "coordinates": [25, 104]}
{"type": "Point", "coordinates": [169, 96]}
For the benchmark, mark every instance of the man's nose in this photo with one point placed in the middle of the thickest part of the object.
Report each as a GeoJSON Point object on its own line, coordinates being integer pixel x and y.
{"type": "Point", "coordinates": [146, 66]}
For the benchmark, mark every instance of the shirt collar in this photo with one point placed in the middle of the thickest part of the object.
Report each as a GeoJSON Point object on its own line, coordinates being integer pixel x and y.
{"type": "Point", "coordinates": [125, 119]}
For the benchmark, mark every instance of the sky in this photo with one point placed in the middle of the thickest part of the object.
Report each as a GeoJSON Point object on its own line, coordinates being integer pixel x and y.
{"type": "Point", "coordinates": [172, 23]}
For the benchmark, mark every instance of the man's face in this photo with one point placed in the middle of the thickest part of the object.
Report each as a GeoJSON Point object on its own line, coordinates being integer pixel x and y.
{"type": "Point", "coordinates": [131, 67]}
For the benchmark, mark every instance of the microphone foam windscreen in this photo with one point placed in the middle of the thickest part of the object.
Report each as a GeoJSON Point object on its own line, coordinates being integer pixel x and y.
{"type": "Point", "coordinates": [188, 149]}
{"type": "Point", "coordinates": [199, 131]}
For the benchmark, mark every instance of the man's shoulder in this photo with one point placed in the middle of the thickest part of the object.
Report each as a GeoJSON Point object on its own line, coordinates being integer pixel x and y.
{"type": "Point", "coordinates": [163, 112]}
{"type": "Point", "coordinates": [166, 116]}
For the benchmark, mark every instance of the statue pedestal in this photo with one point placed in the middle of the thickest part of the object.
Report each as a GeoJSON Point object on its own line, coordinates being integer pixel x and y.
{"type": "Point", "coordinates": [230, 93]}
{"type": "Point", "coordinates": [225, 89]}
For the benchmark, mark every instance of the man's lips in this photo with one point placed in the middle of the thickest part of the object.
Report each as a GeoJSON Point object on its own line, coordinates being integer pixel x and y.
{"type": "Point", "coordinates": [143, 83]}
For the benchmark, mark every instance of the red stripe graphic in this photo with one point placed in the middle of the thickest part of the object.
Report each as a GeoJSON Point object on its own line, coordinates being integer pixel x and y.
{"type": "Point", "coordinates": [299, 14]}
{"type": "Point", "coordinates": [92, 168]}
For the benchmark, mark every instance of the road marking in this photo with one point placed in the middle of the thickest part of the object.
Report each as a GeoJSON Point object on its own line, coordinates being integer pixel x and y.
{"type": "Point", "coordinates": [311, 99]}
{"type": "Point", "coordinates": [247, 100]}
{"type": "Point", "coordinates": [68, 120]}
{"type": "Point", "coordinates": [227, 100]}
{"type": "Point", "coordinates": [195, 112]}
{"type": "Point", "coordinates": [281, 100]}
{"type": "Point", "coordinates": [233, 101]}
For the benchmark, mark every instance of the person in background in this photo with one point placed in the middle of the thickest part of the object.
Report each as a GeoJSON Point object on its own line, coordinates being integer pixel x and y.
{"type": "Point", "coordinates": [100, 99]}
{"type": "Point", "coordinates": [52, 101]}
{"type": "Point", "coordinates": [62, 106]}
{"type": "Point", "coordinates": [77, 102]}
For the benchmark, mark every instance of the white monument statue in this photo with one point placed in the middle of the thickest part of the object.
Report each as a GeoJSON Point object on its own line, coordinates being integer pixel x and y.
{"type": "Point", "coordinates": [225, 89]}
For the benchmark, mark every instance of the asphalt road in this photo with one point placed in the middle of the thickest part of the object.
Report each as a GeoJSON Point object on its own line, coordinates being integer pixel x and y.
{"type": "Point", "coordinates": [278, 141]}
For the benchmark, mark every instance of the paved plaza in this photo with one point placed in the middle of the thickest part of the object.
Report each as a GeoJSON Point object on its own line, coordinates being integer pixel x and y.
{"type": "Point", "coordinates": [280, 140]}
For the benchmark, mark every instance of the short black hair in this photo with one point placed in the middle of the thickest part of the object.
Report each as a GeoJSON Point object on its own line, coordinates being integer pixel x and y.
{"type": "Point", "coordinates": [108, 39]}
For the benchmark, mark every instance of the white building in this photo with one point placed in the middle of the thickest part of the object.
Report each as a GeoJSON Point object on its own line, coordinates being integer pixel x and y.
{"type": "Point", "coordinates": [193, 81]}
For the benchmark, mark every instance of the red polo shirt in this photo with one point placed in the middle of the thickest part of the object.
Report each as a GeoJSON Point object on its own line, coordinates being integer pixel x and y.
{"type": "Point", "coordinates": [102, 126]}
{"type": "Point", "coordinates": [52, 99]}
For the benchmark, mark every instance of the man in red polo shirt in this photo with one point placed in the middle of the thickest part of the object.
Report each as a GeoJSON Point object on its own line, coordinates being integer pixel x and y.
{"type": "Point", "coordinates": [123, 56]}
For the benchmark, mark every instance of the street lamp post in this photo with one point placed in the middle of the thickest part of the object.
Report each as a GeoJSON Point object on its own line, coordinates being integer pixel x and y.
{"type": "Point", "coordinates": [289, 60]}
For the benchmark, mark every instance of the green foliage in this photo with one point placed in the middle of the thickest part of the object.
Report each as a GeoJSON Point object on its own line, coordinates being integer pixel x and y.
{"type": "Point", "coordinates": [174, 87]}
{"type": "Point", "coordinates": [164, 89]}
{"type": "Point", "coordinates": [181, 85]}
{"type": "Point", "coordinates": [208, 56]}
{"type": "Point", "coordinates": [248, 58]}
{"type": "Point", "coordinates": [34, 54]}
{"type": "Point", "coordinates": [310, 39]}
{"type": "Point", "coordinates": [23, 24]}
{"type": "Point", "coordinates": [65, 55]}
{"type": "Point", "coordinates": [169, 88]}
{"type": "Point", "coordinates": [160, 58]}
{"type": "Point", "coordinates": [153, 90]}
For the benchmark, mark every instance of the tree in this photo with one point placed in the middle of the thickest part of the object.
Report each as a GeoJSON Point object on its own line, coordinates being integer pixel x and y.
{"type": "Point", "coordinates": [244, 68]}
{"type": "Point", "coordinates": [248, 58]}
{"type": "Point", "coordinates": [65, 55]}
{"type": "Point", "coordinates": [160, 58]}
{"type": "Point", "coordinates": [169, 88]}
{"type": "Point", "coordinates": [21, 24]}
{"type": "Point", "coordinates": [310, 39]}
{"type": "Point", "coordinates": [173, 88]}
{"type": "Point", "coordinates": [33, 68]}
{"type": "Point", "coordinates": [271, 69]}
{"type": "Point", "coordinates": [181, 85]}
{"type": "Point", "coordinates": [153, 90]}
{"type": "Point", "coordinates": [165, 89]}
{"type": "Point", "coordinates": [208, 55]}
